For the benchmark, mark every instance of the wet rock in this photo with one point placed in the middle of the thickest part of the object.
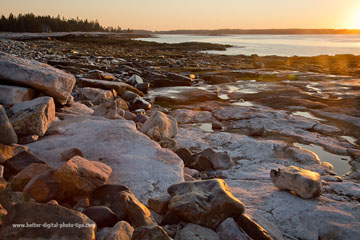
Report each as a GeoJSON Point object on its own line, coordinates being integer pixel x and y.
{"type": "Point", "coordinates": [44, 187]}
{"type": "Point", "coordinates": [229, 229]}
{"type": "Point", "coordinates": [159, 204]}
{"type": "Point", "coordinates": [28, 139]}
{"type": "Point", "coordinates": [20, 180]}
{"type": "Point", "coordinates": [49, 80]}
{"type": "Point", "coordinates": [97, 95]}
{"type": "Point", "coordinates": [306, 184]}
{"type": "Point", "coordinates": [191, 116]}
{"type": "Point", "coordinates": [252, 229]}
{"type": "Point", "coordinates": [182, 96]}
{"type": "Point", "coordinates": [191, 231]}
{"type": "Point", "coordinates": [79, 175]}
{"type": "Point", "coordinates": [122, 147]}
{"type": "Point", "coordinates": [19, 162]}
{"type": "Point", "coordinates": [159, 125]}
{"type": "Point", "coordinates": [204, 202]}
{"type": "Point", "coordinates": [77, 108]}
{"type": "Point", "coordinates": [33, 213]}
{"type": "Point", "coordinates": [68, 154]}
{"type": "Point", "coordinates": [171, 79]}
{"type": "Point", "coordinates": [150, 233]}
{"type": "Point", "coordinates": [101, 215]}
{"type": "Point", "coordinates": [121, 231]}
{"type": "Point", "coordinates": [32, 117]}
{"type": "Point", "coordinates": [8, 134]}
{"type": "Point", "coordinates": [119, 87]}
{"type": "Point", "coordinates": [217, 79]}
{"type": "Point", "coordinates": [219, 160]}
{"type": "Point", "coordinates": [11, 95]}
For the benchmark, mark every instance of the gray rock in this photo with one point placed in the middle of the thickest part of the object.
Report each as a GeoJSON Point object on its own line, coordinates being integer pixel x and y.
{"type": "Point", "coordinates": [150, 233]}
{"type": "Point", "coordinates": [253, 229]}
{"type": "Point", "coordinates": [206, 203]}
{"type": "Point", "coordinates": [32, 117]}
{"type": "Point", "coordinates": [97, 95]}
{"type": "Point", "coordinates": [11, 95]}
{"type": "Point", "coordinates": [79, 175]}
{"type": "Point", "coordinates": [121, 231]}
{"type": "Point", "coordinates": [159, 125]}
{"type": "Point", "coordinates": [159, 204]}
{"type": "Point", "coordinates": [306, 183]}
{"type": "Point", "coordinates": [200, 162]}
{"type": "Point", "coordinates": [229, 229]}
{"type": "Point", "coordinates": [135, 79]}
{"type": "Point", "coordinates": [72, 152]}
{"type": "Point", "coordinates": [108, 110]}
{"type": "Point", "coordinates": [8, 134]}
{"type": "Point", "coordinates": [39, 76]}
{"type": "Point", "coordinates": [119, 145]}
{"type": "Point", "coordinates": [101, 215]}
{"type": "Point", "coordinates": [191, 116]}
{"type": "Point", "coordinates": [33, 213]}
{"type": "Point", "coordinates": [219, 160]}
{"type": "Point", "coordinates": [77, 108]}
{"type": "Point", "coordinates": [195, 232]}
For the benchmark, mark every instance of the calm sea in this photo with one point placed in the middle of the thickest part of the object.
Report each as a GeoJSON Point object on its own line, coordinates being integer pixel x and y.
{"type": "Point", "coordinates": [281, 45]}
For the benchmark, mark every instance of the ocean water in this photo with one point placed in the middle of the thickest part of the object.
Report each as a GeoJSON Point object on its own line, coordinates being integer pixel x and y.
{"type": "Point", "coordinates": [280, 45]}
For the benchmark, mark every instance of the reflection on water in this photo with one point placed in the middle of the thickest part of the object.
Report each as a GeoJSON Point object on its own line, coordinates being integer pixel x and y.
{"type": "Point", "coordinates": [307, 115]}
{"type": "Point", "coordinates": [340, 163]}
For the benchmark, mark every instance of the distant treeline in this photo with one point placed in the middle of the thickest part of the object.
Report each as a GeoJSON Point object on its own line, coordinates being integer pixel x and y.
{"type": "Point", "coordinates": [31, 23]}
{"type": "Point", "coordinates": [262, 31]}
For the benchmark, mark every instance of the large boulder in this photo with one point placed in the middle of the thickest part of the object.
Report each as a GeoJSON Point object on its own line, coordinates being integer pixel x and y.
{"type": "Point", "coordinates": [306, 183]}
{"type": "Point", "coordinates": [11, 95]}
{"type": "Point", "coordinates": [101, 215]}
{"type": "Point", "coordinates": [8, 134]}
{"type": "Point", "coordinates": [32, 117]}
{"type": "Point", "coordinates": [97, 95]}
{"type": "Point", "coordinates": [119, 145]}
{"type": "Point", "coordinates": [49, 80]}
{"type": "Point", "coordinates": [206, 203]}
{"type": "Point", "coordinates": [121, 231]}
{"type": "Point", "coordinates": [150, 233]}
{"type": "Point", "coordinates": [19, 181]}
{"type": "Point", "coordinates": [42, 221]}
{"type": "Point", "coordinates": [160, 126]}
{"type": "Point", "coordinates": [79, 175]}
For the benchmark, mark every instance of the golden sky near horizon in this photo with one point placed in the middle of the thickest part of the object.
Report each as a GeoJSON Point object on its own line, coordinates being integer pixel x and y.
{"type": "Point", "coordinates": [199, 14]}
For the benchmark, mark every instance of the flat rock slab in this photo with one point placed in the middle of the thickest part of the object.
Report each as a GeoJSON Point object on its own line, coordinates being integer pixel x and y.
{"type": "Point", "coordinates": [136, 161]}
{"type": "Point", "coordinates": [39, 76]}
{"type": "Point", "coordinates": [10, 95]}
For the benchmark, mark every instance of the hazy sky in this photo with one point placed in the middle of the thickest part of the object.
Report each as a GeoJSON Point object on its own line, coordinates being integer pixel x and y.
{"type": "Point", "coordinates": [198, 14]}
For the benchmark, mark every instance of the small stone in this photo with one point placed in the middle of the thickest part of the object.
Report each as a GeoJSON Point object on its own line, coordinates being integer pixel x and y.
{"type": "Point", "coordinates": [79, 175]}
{"type": "Point", "coordinates": [82, 204]}
{"type": "Point", "coordinates": [150, 233]}
{"type": "Point", "coordinates": [216, 125]}
{"type": "Point", "coordinates": [200, 162]}
{"type": "Point", "coordinates": [101, 215]}
{"type": "Point", "coordinates": [159, 204]}
{"type": "Point", "coordinates": [305, 183]}
{"type": "Point", "coordinates": [139, 103]}
{"type": "Point", "coordinates": [68, 154]}
{"type": "Point", "coordinates": [20, 180]}
{"type": "Point", "coordinates": [195, 232]}
{"type": "Point", "coordinates": [168, 143]}
{"type": "Point", "coordinates": [2, 171]}
{"type": "Point", "coordinates": [8, 134]}
{"type": "Point", "coordinates": [219, 160]}
{"type": "Point", "coordinates": [121, 231]}
{"type": "Point", "coordinates": [188, 178]}
{"type": "Point", "coordinates": [53, 203]}
{"type": "Point", "coordinates": [143, 87]}
{"type": "Point", "coordinates": [192, 172]}
{"type": "Point", "coordinates": [9, 198]}
{"type": "Point", "coordinates": [129, 116]}
{"type": "Point", "coordinates": [3, 213]}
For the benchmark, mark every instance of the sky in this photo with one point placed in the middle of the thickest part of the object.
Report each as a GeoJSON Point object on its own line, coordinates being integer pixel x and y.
{"type": "Point", "coordinates": [198, 14]}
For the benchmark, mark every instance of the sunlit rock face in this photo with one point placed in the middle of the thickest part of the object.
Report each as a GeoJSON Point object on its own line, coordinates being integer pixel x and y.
{"type": "Point", "coordinates": [40, 76]}
{"type": "Point", "coordinates": [305, 183]}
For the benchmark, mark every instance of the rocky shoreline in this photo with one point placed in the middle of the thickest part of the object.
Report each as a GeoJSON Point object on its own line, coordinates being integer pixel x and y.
{"type": "Point", "coordinates": [141, 140]}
